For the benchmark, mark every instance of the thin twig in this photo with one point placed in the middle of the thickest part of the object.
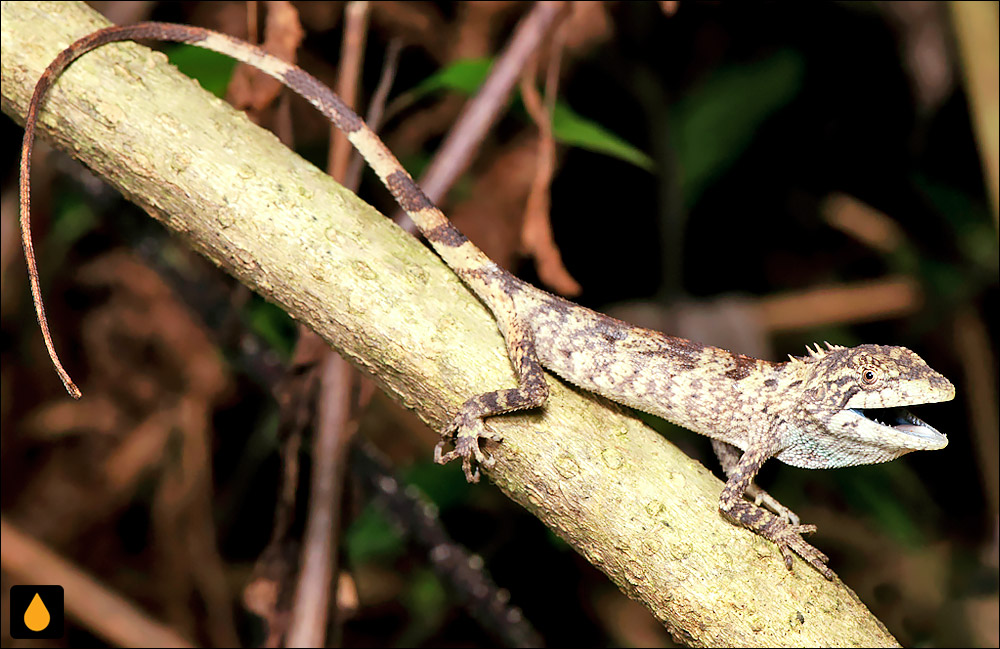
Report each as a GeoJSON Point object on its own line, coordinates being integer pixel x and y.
{"type": "Point", "coordinates": [975, 27]}
{"type": "Point", "coordinates": [463, 571]}
{"type": "Point", "coordinates": [893, 296]}
{"type": "Point", "coordinates": [319, 565]}
{"type": "Point", "coordinates": [270, 590]}
{"type": "Point", "coordinates": [268, 593]}
{"type": "Point", "coordinates": [252, 34]}
{"type": "Point", "coordinates": [481, 112]}
{"type": "Point", "coordinates": [974, 347]}
{"type": "Point", "coordinates": [376, 108]}
{"type": "Point", "coordinates": [98, 608]}
{"type": "Point", "coordinates": [335, 427]}
{"type": "Point", "coordinates": [351, 52]}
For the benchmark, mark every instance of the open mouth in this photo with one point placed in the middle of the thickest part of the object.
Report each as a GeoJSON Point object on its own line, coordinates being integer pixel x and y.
{"type": "Point", "coordinates": [900, 419]}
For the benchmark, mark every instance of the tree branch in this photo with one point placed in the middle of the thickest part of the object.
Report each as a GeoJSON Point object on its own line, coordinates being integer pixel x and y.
{"type": "Point", "coordinates": [621, 495]}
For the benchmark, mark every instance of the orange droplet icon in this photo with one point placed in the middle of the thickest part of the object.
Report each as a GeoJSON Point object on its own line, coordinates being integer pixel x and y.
{"type": "Point", "coordinates": [36, 616]}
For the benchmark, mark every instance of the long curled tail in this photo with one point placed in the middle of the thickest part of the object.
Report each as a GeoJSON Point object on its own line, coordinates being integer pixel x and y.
{"type": "Point", "coordinates": [458, 252]}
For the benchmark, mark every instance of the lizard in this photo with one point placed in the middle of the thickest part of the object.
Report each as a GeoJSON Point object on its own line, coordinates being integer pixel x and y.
{"type": "Point", "coordinates": [834, 407]}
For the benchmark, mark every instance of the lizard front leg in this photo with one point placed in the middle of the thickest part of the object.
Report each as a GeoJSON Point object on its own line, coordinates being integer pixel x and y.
{"type": "Point", "coordinates": [785, 534]}
{"type": "Point", "coordinates": [532, 391]}
{"type": "Point", "coordinates": [729, 458]}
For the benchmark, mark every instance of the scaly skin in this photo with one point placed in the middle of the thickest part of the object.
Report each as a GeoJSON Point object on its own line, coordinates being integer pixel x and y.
{"type": "Point", "coordinates": [808, 412]}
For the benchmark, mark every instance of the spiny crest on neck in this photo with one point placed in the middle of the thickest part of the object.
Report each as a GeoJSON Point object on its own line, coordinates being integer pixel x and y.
{"type": "Point", "coordinates": [815, 353]}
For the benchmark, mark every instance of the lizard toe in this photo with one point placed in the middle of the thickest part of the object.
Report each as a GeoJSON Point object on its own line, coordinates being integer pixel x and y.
{"type": "Point", "coordinates": [762, 498]}
{"type": "Point", "coordinates": [787, 555]}
{"type": "Point", "coordinates": [471, 472]}
{"type": "Point", "coordinates": [440, 456]}
{"type": "Point", "coordinates": [467, 431]}
{"type": "Point", "coordinates": [793, 542]}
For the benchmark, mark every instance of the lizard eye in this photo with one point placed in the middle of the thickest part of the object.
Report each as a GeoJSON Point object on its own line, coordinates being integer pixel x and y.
{"type": "Point", "coordinates": [869, 375]}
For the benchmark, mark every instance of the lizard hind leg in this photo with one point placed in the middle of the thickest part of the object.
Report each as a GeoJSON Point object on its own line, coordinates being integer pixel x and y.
{"type": "Point", "coordinates": [468, 427]}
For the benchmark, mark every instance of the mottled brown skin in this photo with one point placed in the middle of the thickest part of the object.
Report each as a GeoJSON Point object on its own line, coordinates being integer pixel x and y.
{"type": "Point", "coordinates": [809, 412]}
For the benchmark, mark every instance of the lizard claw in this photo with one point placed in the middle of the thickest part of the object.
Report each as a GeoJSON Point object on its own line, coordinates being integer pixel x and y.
{"type": "Point", "coordinates": [775, 528]}
{"type": "Point", "coordinates": [468, 429]}
{"type": "Point", "coordinates": [789, 539]}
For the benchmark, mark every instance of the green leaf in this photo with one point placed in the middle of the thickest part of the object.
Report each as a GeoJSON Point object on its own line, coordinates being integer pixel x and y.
{"type": "Point", "coordinates": [426, 600]}
{"type": "Point", "coordinates": [372, 537]}
{"type": "Point", "coordinates": [271, 323]}
{"type": "Point", "coordinates": [465, 76]}
{"type": "Point", "coordinates": [713, 124]}
{"type": "Point", "coordinates": [570, 128]}
{"type": "Point", "coordinates": [968, 218]}
{"type": "Point", "coordinates": [891, 497]}
{"type": "Point", "coordinates": [212, 70]}
{"type": "Point", "coordinates": [444, 488]}
{"type": "Point", "coordinates": [74, 219]}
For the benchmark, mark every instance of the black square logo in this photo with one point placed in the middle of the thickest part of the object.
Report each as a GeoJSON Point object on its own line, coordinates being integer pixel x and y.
{"type": "Point", "coordinates": [36, 612]}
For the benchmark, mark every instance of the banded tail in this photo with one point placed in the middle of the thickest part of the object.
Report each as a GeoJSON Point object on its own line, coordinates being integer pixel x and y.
{"type": "Point", "coordinates": [454, 248]}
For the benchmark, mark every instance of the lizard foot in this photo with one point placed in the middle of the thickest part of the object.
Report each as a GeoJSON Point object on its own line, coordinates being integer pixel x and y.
{"type": "Point", "coordinates": [761, 497]}
{"type": "Point", "coordinates": [468, 429]}
{"type": "Point", "coordinates": [788, 538]}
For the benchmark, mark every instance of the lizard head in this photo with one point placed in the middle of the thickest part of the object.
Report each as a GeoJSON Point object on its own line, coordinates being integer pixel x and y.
{"type": "Point", "coordinates": [852, 406]}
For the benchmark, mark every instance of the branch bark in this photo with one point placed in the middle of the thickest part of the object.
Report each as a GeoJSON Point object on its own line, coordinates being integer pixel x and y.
{"type": "Point", "coordinates": [614, 489]}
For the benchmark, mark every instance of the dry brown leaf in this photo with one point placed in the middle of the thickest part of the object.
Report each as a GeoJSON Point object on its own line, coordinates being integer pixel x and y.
{"type": "Point", "coordinates": [492, 214]}
{"type": "Point", "coordinates": [588, 25]}
{"type": "Point", "coordinates": [669, 7]}
{"type": "Point", "coordinates": [252, 89]}
{"type": "Point", "coordinates": [536, 230]}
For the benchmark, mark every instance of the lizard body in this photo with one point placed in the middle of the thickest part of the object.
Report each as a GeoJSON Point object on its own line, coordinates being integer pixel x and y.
{"type": "Point", "coordinates": [808, 412]}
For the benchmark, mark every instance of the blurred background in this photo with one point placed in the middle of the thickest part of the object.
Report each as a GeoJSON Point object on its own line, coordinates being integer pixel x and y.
{"type": "Point", "coordinates": [754, 176]}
